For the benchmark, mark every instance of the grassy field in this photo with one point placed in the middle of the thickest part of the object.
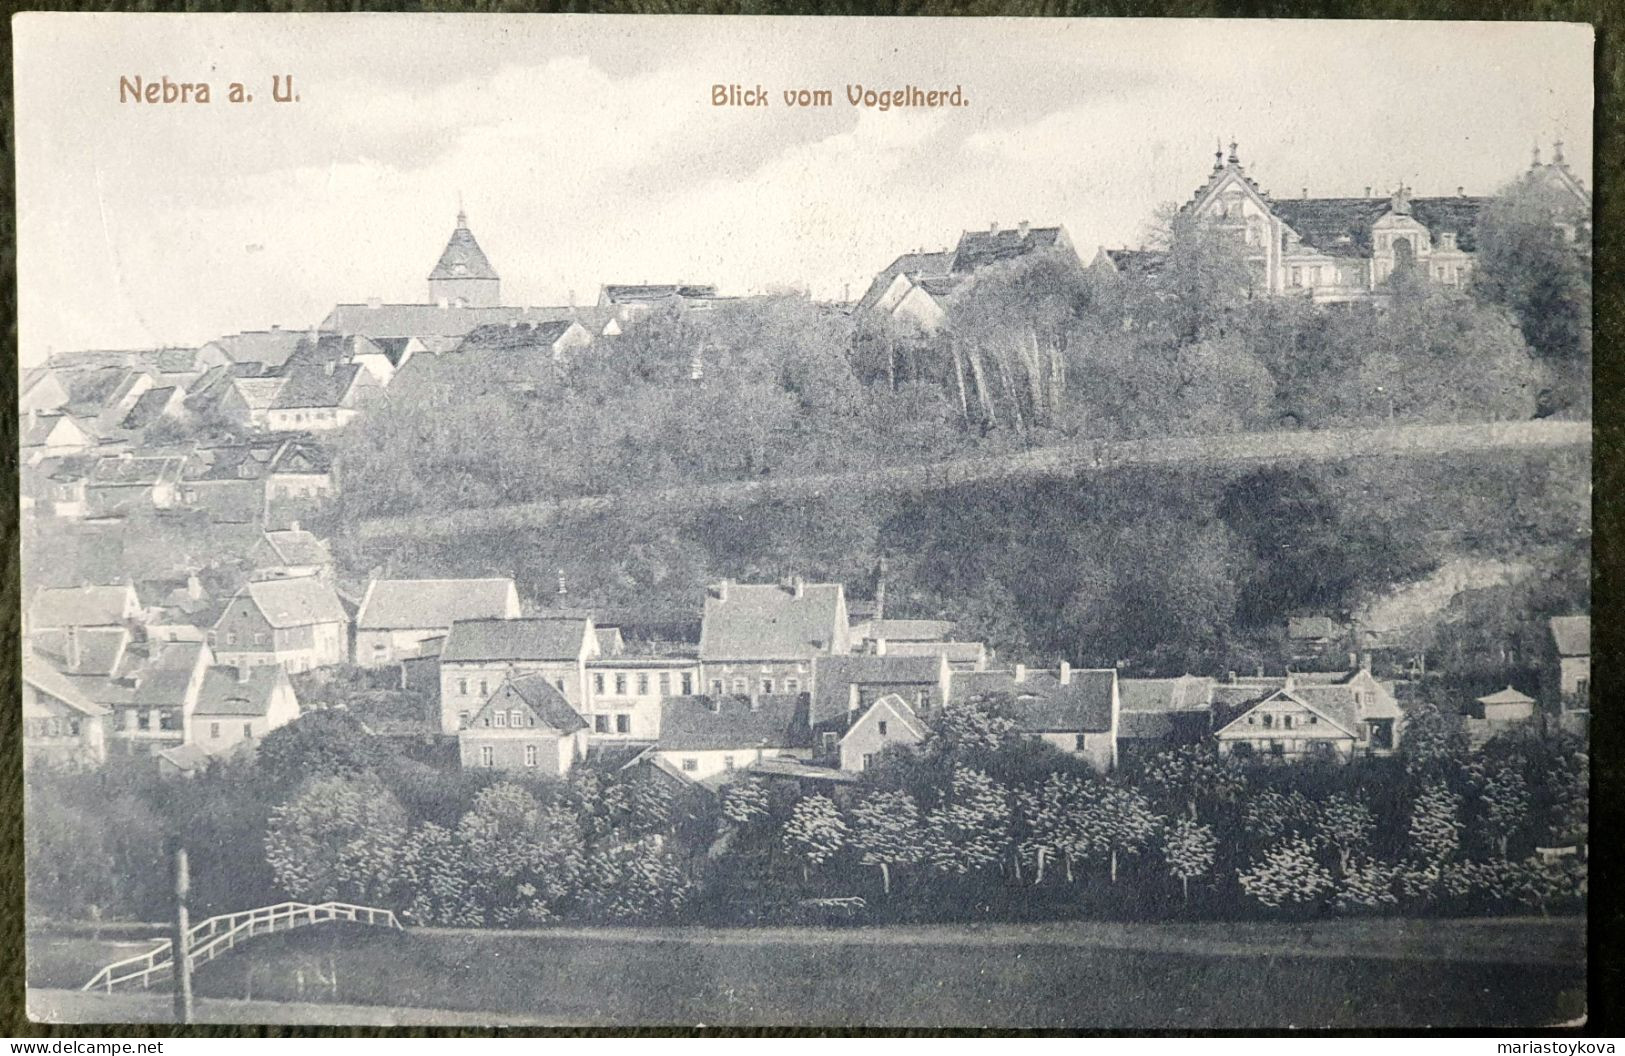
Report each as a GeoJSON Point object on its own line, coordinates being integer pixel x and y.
{"type": "Point", "coordinates": [1082, 975]}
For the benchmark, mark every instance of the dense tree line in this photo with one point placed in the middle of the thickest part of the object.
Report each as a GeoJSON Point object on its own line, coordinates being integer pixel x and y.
{"type": "Point", "coordinates": [979, 821]}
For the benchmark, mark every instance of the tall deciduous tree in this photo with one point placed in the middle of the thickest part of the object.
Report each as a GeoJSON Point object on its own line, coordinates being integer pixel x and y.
{"type": "Point", "coordinates": [1287, 875]}
{"type": "Point", "coordinates": [970, 829]}
{"type": "Point", "coordinates": [815, 832]}
{"type": "Point", "coordinates": [1188, 849]}
{"type": "Point", "coordinates": [337, 838]}
{"type": "Point", "coordinates": [887, 833]}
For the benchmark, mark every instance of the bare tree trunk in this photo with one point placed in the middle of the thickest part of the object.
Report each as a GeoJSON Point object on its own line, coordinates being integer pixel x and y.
{"type": "Point", "coordinates": [1114, 865]}
{"type": "Point", "coordinates": [1185, 882]}
{"type": "Point", "coordinates": [885, 878]}
{"type": "Point", "coordinates": [1035, 378]}
{"type": "Point", "coordinates": [1069, 868]}
{"type": "Point", "coordinates": [981, 387]}
{"type": "Point", "coordinates": [891, 361]}
{"type": "Point", "coordinates": [1008, 380]}
{"type": "Point", "coordinates": [959, 379]}
{"type": "Point", "coordinates": [1040, 878]}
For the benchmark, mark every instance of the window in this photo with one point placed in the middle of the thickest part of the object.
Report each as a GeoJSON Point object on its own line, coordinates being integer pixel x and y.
{"type": "Point", "coordinates": [767, 685]}
{"type": "Point", "coordinates": [829, 741]}
{"type": "Point", "coordinates": [643, 683]}
{"type": "Point", "coordinates": [741, 686]}
{"type": "Point", "coordinates": [665, 683]}
{"type": "Point", "coordinates": [73, 727]}
{"type": "Point", "coordinates": [516, 718]}
{"type": "Point", "coordinates": [881, 726]}
{"type": "Point", "coordinates": [530, 755]}
{"type": "Point", "coordinates": [716, 687]}
{"type": "Point", "coordinates": [1269, 720]}
{"type": "Point", "coordinates": [1277, 748]}
{"type": "Point", "coordinates": [1286, 720]}
{"type": "Point", "coordinates": [214, 731]}
{"type": "Point", "coordinates": [600, 724]}
{"type": "Point", "coordinates": [598, 683]}
{"type": "Point", "coordinates": [870, 759]}
{"type": "Point", "coordinates": [792, 685]}
{"type": "Point", "coordinates": [501, 718]}
{"type": "Point", "coordinates": [727, 762]}
{"type": "Point", "coordinates": [620, 685]}
{"type": "Point", "coordinates": [231, 637]}
{"type": "Point", "coordinates": [1252, 720]}
{"type": "Point", "coordinates": [1297, 276]}
{"type": "Point", "coordinates": [1241, 749]}
{"type": "Point", "coordinates": [485, 690]}
{"type": "Point", "coordinates": [691, 764]}
{"type": "Point", "coordinates": [486, 721]}
{"type": "Point", "coordinates": [623, 724]}
{"type": "Point", "coordinates": [379, 647]}
{"type": "Point", "coordinates": [1314, 720]}
{"type": "Point", "coordinates": [688, 684]}
{"type": "Point", "coordinates": [462, 687]}
{"type": "Point", "coordinates": [488, 756]}
{"type": "Point", "coordinates": [462, 720]}
{"type": "Point", "coordinates": [558, 684]}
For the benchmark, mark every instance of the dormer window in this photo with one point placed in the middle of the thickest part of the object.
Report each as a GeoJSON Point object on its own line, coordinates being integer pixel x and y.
{"type": "Point", "coordinates": [1447, 241]}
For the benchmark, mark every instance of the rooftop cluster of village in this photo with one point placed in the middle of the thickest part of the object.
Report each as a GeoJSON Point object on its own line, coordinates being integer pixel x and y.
{"type": "Point", "coordinates": [168, 487]}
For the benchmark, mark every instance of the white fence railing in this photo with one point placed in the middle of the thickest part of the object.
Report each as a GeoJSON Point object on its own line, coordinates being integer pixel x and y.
{"type": "Point", "coordinates": [208, 939]}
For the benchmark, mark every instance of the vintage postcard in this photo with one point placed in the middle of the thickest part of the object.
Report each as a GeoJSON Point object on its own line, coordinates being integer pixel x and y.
{"type": "Point", "coordinates": [825, 523]}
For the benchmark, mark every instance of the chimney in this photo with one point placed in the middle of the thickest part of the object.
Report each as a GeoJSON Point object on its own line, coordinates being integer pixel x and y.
{"type": "Point", "coordinates": [243, 672]}
{"type": "Point", "coordinates": [993, 228]}
{"type": "Point", "coordinates": [880, 588]}
{"type": "Point", "coordinates": [846, 292]}
{"type": "Point", "coordinates": [276, 327]}
{"type": "Point", "coordinates": [1365, 662]}
{"type": "Point", "coordinates": [194, 586]}
{"type": "Point", "coordinates": [1066, 673]}
{"type": "Point", "coordinates": [880, 647]}
{"type": "Point", "coordinates": [1021, 672]}
{"type": "Point", "coordinates": [1230, 676]}
{"type": "Point", "coordinates": [722, 590]}
{"type": "Point", "coordinates": [329, 367]}
{"type": "Point", "coordinates": [315, 335]}
{"type": "Point", "coordinates": [798, 588]}
{"type": "Point", "coordinates": [293, 526]}
{"type": "Point", "coordinates": [1461, 192]}
{"type": "Point", "coordinates": [1354, 658]}
{"type": "Point", "coordinates": [1022, 229]}
{"type": "Point", "coordinates": [852, 697]}
{"type": "Point", "coordinates": [375, 303]}
{"type": "Point", "coordinates": [444, 304]}
{"type": "Point", "coordinates": [1368, 192]}
{"type": "Point", "coordinates": [1306, 192]}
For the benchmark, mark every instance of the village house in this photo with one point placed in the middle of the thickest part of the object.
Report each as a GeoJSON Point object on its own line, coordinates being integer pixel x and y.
{"type": "Point", "coordinates": [919, 287]}
{"type": "Point", "coordinates": [97, 651]}
{"type": "Point", "coordinates": [1497, 713]}
{"type": "Point", "coordinates": [268, 349]}
{"type": "Point", "coordinates": [1158, 714]}
{"type": "Point", "coordinates": [153, 697]}
{"type": "Point", "coordinates": [319, 397]}
{"type": "Point", "coordinates": [1570, 672]}
{"type": "Point", "coordinates": [297, 623]}
{"type": "Point", "coordinates": [1308, 715]}
{"type": "Point", "coordinates": [240, 705]}
{"type": "Point", "coordinates": [1338, 250]}
{"type": "Point", "coordinates": [526, 725]}
{"type": "Point", "coordinates": [645, 296]}
{"type": "Point", "coordinates": [707, 738]}
{"type": "Point", "coordinates": [1074, 711]}
{"type": "Point", "coordinates": [41, 390]}
{"type": "Point", "coordinates": [42, 436]}
{"type": "Point", "coordinates": [844, 687]}
{"type": "Point", "coordinates": [762, 638]}
{"type": "Point", "coordinates": [87, 605]}
{"type": "Point", "coordinates": [154, 406]}
{"type": "Point", "coordinates": [291, 551]}
{"type": "Point", "coordinates": [126, 483]}
{"type": "Point", "coordinates": [888, 722]}
{"type": "Point", "coordinates": [875, 635]}
{"type": "Point", "coordinates": [62, 728]}
{"type": "Point", "coordinates": [299, 470]}
{"type": "Point", "coordinates": [480, 655]}
{"type": "Point", "coordinates": [320, 348]}
{"type": "Point", "coordinates": [398, 615]}
{"type": "Point", "coordinates": [57, 487]}
{"type": "Point", "coordinates": [624, 692]}
{"type": "Point", "coordinates": [175, 609]}
{"type": "Point", "coordinates": [961, 656]}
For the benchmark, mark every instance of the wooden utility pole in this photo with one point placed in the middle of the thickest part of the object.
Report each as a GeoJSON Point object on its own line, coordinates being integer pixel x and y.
{"type": "Point", "coordinates": [180, 944]}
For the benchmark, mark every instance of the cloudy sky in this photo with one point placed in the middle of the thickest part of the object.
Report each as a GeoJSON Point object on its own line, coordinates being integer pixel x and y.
{"type": "Point", "coordinates": [587, 150]}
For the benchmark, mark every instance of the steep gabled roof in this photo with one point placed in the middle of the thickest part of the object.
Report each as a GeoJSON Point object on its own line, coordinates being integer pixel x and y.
{"type": "Point", "coordinates": [533, 638]}
{"type": "Point", "coordinates": [1572, 635]}
{"type": "Point", "coordinates": [769, 622]}
{"type": "Point", "coordinates": [633, 293]}
{"type": "Point", "coordinates": [1185, 693]}
{"type": "Point", "coordinates": [136, 472]}
{"type": "Point", "coordinates": [913, 265]}
{"type": "Point", "coordinates": [1337, 712]}
{"type": "Point", "coordinates": [834, 675]}
{"type": "Point", "coordinates": [269, 347]}
{"type": "Point", "coordinates": [1506, 696]}
{"type": "Point", "coordinates": [149, 407]}
{"type": "Point", "coordinates": [777, 720]}
{"type": "Point", "coordinates": [404, 604]}
{"type": "Point", "coordinates": [316, 386]}
{"type": "Point", "coordinates": [90, 651]}
{"type": "Point", "coordinates": [895, 705]}
{"type": "Point", "coordinates": [462, 258]}
{"type": "Point", "coordinates": [48, 680]}
{"type": "Point", "coordinates": [259, 394]}
{"type": "Point", "coordinates": [86, 606]}
{"type": "Point", "coordinates": [538, 699]}
{"type": "Point", "coordinates": [1341, 227]}
{"type": "Point", "coordinates": [515, 335]}
{"type": "Point", "coordinates": [979, 248]}
{"type": "Point", "coordinates": [295, 602]}
{"type": "Point", "coordinates": [225, 691]}
{"type": "Point", "coordinates": [1041, 703]}
{"type": "Point", "coordinates": [415, 320]}
{"type": "Point", "coordinates": [298, 547]}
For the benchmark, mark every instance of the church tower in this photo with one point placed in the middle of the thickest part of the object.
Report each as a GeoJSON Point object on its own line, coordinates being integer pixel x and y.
{"type": "Point", "coordinates": [464, 276]}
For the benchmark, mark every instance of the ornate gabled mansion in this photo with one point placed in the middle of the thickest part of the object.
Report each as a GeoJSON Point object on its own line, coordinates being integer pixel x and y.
{"type": "Point", "coordinates": [1338, 250]}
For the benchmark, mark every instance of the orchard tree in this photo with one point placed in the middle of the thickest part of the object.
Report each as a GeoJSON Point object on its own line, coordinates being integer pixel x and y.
{"type": "Point", "coordinates": [434, 879]}
{"type": "Point", "coordinates": [1269, 815]}
{"type": "Point", "coordinates": [1191, 773]}
{"type": "Point", "coordinates": [970, 829]}
{"type": "Point", "coordinates": [524, 859]}
{"type": "Point", "coordinates": [1435, 826]}
{"type": "Point", "coordinates": [337, 839]}
{"type": "Point", "coordinates": [1435, 740]}
{"type": "Point", "coordinates": [1504, 801]}
{"type": "Point", "coordinates": [1343, 825]}
{"type": "Point", "coordinates": [1287, 875]}
{"type": "Point", "coordinates": [638, 880]}
{"type": "Point", "coordinates": [1121, 822]}
{"type": "Point", "coordinates": [1189, 849]}
{"type": "Point", "coordinates": [1049, 815]}
{"type": "Point", "coordinates": [887, 833]}
{"type": "Point", "coordinates": [316, 744]}
{"type": "Point", "coordinates": [815, 832]}
{"type": "Point", "coordinates": [1367, 885]}
{"type": "Point", "coordinates": [746, 802]}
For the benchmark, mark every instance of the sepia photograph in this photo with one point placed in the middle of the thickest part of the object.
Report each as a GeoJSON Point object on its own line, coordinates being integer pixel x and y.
{"type": "Point", "coordinates": [576, 521]}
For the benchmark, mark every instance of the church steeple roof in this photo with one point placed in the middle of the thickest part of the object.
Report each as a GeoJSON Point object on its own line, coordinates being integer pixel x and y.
{"type": "Point", "coordinates": [463, 258]}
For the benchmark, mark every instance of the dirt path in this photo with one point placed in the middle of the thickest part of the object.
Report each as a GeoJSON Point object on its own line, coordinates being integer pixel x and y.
{"type": "Point", "coordinates": [78, 1006]}
{"type": "Point", "coordinates": [1068, 460]}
